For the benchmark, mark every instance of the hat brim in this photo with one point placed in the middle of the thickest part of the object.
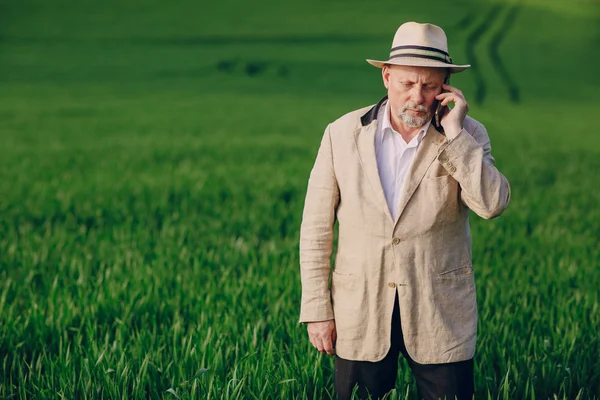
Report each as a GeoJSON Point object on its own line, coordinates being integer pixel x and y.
{"type": "Point", "coordinates": [419, 62]}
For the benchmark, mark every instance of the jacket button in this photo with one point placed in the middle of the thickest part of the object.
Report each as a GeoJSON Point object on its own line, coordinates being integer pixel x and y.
{"type": "Point", "coordinates": [453, 169]}
{"type": "Point", "coordinates": [444, 159]}
{"type": "Point", "coordinates": [396, 240]}
{"type": "Point", "coordinates": [392, 284]}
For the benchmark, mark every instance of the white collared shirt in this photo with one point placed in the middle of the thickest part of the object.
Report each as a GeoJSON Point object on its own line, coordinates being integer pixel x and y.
{"type": "Point", "coordinates": [394, 157]}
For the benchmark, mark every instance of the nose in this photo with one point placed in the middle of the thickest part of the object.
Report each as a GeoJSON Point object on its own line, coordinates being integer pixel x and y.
{"type": "Point", "coordinates": [417, 94]}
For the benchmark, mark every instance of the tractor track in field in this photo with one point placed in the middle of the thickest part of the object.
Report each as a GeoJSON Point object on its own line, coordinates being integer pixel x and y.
{"type": "Point", "coordinates": [507, 23]}
{"type": "Point", "coordinates": [493, 50]}
{"type": "Point", "coordinates": [472, 39]}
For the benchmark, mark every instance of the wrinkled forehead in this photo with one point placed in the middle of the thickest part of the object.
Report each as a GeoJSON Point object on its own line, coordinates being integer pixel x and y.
{"type": "Point", "coordinates": [434, 74]}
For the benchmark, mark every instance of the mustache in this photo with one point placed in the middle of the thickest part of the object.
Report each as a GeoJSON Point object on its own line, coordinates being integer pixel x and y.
{"type": "Point", "coordinates": [414, 106]}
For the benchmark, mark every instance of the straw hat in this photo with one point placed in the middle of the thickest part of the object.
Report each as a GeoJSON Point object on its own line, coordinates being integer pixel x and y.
{"type": "Point", "coordinates": [420, 45]}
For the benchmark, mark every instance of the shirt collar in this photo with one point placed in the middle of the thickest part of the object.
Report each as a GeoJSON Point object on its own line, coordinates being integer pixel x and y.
{"type": "Point", "coordinates": [386, 127]}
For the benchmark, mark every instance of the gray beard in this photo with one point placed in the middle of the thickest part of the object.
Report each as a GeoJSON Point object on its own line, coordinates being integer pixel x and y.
{"type": "Point", "coordinates": [413, 121]}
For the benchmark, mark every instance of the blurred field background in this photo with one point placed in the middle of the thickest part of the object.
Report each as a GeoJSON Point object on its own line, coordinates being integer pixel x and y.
{"type": "Point", "coordinates": [153, 163]}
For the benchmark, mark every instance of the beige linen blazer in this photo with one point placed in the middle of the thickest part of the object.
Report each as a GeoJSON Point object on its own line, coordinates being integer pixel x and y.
{"type": "Point", "coordinates": [424, 256]}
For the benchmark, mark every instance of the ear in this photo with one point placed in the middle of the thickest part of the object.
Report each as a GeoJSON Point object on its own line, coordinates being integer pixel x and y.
{"type": "Point", "coordinates": [385, 75]}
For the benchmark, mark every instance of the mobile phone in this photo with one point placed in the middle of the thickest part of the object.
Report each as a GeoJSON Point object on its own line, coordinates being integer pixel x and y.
{"type": "Point", "coordinates": [436, 117]}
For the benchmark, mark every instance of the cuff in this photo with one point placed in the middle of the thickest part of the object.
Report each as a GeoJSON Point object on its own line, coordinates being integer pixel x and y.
{"type": "Point", "coordinates": [456, 148]}
{"type": "Point", "coordinates": [316, 314]}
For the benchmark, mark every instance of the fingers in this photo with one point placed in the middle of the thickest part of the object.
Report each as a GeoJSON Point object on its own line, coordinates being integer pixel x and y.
{"type": "Point", "coordinates": [323, 337]}
{"type": "Point", "coordinates": [452, 89]}
{"type": "Point", "coordinates": [334, 336]}
{"type": "Point", "coordinates": [328, 346]}
{"type": "Point", "coordinates": [449, 97]}
{"type": "Point", "coordinates": [320, 344]}
{"type": "Point", "coordinates": [313, 342]}
{"type": "Point", "coordinates": [324, 345]}
{"type": "Point", "coordinates": [449, 100]}
{"type": "Point", "coordinates": [452, 120]}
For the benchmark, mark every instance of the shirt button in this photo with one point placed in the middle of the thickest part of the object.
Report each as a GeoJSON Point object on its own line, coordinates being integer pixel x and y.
{"type": "Point", "coordinates": [396, 240]}
{"type": "Point", "coordinates": [392, 284]}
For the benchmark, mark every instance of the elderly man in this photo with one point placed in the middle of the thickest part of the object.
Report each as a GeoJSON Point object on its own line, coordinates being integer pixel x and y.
{"type": "Point", "coordinates": [400, 178]}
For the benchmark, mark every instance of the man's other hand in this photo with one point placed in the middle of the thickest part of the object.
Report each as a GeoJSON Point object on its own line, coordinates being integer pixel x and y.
{"type": "Point", "coordinates": [323, 335]}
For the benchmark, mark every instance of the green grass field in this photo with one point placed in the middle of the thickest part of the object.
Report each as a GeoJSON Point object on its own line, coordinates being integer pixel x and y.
{"type": "Point", "coordinates": [153, 164]}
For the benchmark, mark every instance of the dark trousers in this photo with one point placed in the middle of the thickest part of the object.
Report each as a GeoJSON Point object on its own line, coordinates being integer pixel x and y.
{"type": "Point", "coordinates": [434, 381]}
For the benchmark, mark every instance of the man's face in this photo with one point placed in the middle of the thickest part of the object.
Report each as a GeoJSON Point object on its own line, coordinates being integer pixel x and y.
{"type": "Point", "coordinates": [412, 91]}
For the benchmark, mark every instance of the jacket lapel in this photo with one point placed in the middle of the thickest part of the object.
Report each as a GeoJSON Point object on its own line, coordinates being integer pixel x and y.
{"type": "Point", "coordinates": [365, 143]}
{"type": "Point", "coordinates": [427, 152]}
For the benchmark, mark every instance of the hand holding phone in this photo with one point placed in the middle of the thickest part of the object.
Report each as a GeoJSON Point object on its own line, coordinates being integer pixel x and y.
{"type": "Point", "coordinates": [450, 120]}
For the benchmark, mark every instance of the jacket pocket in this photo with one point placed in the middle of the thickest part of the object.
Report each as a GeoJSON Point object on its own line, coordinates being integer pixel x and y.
{"type": "Point", "coordinates": [455, 304]}
{"type": "Point", "coordinates": [343, 289]}
{"type": "Point", "coordinates": [439, 205]}
{"type": "Point", "coordinates": [444, 176]}
{"type": "Point", "coordinates": [342, 277]}
{"type": "Point", "coordinates": [463, 271]}
{"type": "Point", "coordinates": [453, 257]}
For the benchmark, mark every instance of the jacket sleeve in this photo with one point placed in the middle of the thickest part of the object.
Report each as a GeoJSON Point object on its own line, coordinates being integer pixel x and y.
{"type": "Point", "coordinates": [468, 159]}
{"type": "Point", "coordinates": [316, 236]}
